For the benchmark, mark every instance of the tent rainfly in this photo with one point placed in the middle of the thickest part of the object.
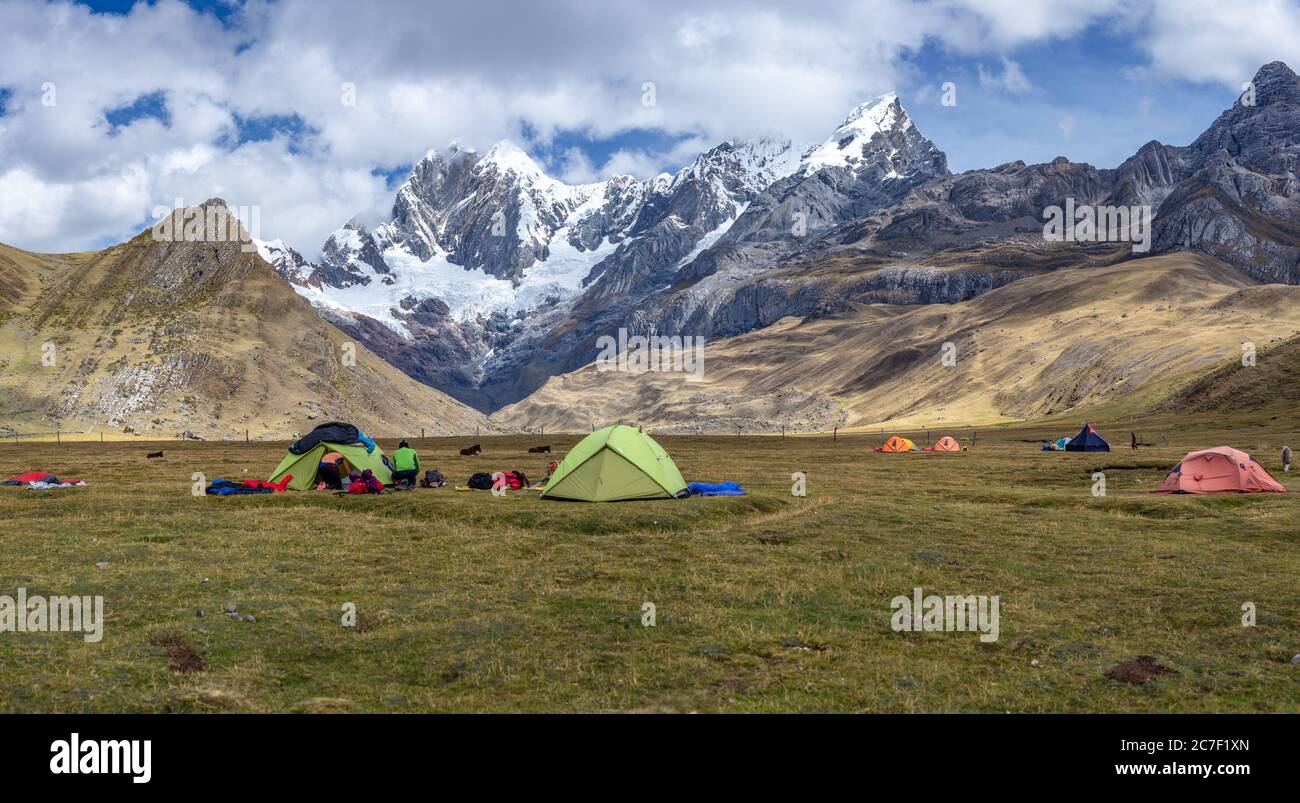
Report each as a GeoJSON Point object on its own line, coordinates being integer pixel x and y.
{"type": "Point", "coordinates": [896, 444]}
{"type": "Point", "coordinates": [1087, 441]}
{"type": "Point", "coordinates": [945, 444]}
{"type": "Point", "coordinates": [1218, 470]}
{"type": "Point", "coordinates": [614, 464]}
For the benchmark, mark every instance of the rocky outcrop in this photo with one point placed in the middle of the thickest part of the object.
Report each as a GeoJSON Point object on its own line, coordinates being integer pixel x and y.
{"type": "Point", "coordinates": [750, 233]}
{"type": "Point", "coordinates": [1238, 201]}
{"type": "Point", "coordinates": [185, 328]}
{"type": "Point", "coordinates": [350, 256]}
{"type": "Point", "coordinates": [288, 262]}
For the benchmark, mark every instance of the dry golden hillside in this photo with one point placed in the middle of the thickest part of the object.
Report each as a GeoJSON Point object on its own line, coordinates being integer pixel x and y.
{"type": "Point", "coordinates": [160, 338]}
{"type": "Point", "coordinates": [1129, 333]}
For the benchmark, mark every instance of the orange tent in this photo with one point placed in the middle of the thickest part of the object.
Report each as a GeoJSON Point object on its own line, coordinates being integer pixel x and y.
{"type": "Point", "coordinates": [945, 444]}
{"type": "Point", "coordinates": [1218, 470]}
{"type": "Point", "coordinates": [896, 444]}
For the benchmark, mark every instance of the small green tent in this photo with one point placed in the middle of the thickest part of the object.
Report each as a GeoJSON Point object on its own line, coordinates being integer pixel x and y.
{"type": "Point", "coordinates": [303, 466]}
{"type": "Point", "coordinates": [613, 464]}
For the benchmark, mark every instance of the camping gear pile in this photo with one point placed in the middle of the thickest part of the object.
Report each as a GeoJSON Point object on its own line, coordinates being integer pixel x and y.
{"type": "Point", "coordinates": [1057, 445]}
{"type": "Point", "coordinates": [433, 479]}
{"type": "Point", "coordinates": [614, 464]}
{"type": "Point", "coordinates": [40, 481]}
{"type": "Point", "coordinates": [1218, 470]}
{"type": "Point", "coordinates": [363, 482]}
{"type": "Point", "coordinates": [513, 480]}
{"type": "Point", "coordinates": [223, 487]}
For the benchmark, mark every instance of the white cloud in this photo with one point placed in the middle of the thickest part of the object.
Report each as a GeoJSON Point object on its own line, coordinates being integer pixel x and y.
{"type": "Point", "coordinates": [575, 167]}
{"type": "Point", "coordinates": [1210, 40]}
{"type": "Point", "coordinates": [481, 72]}
{"type": "Point", "coordinates": [1067, 125]}
{"type": "Point", "coordinates": [1009, 23]}
{"type": "Point", "coordinates": [1012, 79]}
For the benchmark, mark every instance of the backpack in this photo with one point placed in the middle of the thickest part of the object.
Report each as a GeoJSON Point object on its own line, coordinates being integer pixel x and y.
{"type": "Point", "coordinates": [433, 479]}
{"type": "Point", "coordinates": [480, 481]}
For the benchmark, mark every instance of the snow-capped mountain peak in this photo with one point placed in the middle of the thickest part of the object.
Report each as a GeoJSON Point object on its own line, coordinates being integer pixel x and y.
{"type": "Point", "coordinates": [507, 157]}
{"type": "Point", "coordinates": [287, 262]}
{"type": "Point", "coordinates": [751, 166]}
{"type": "Point", "coordinates": [844, 147]}
{"type": "Point", "coordinates": [877, 112]}
{"type": "Point", "coordinates": [484, 246]}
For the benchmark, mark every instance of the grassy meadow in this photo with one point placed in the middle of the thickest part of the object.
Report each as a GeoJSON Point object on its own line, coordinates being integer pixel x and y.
{"type": "Point", "coordinates": [769, 602]}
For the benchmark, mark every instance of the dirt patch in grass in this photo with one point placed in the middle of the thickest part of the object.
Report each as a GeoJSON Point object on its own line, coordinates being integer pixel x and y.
{"type": "Point", "coordinates": [775, 538]}
{"type": "Point", "coordinates": [182, 657]}
{"type": "Point", "coordinates": [799, 645]}
{"type": "Point", "coordinates": [930, 556]}
{"type": "Point", "coordinates": [1138, 670]}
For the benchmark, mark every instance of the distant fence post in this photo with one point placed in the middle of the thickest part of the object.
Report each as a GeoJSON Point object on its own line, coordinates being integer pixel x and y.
{"type": "Point", "coordinates": [835, 434]}
{"type": "Point", "coordinates": [58, 437]}
{"type": "Point", "coordinates": [783, 432]}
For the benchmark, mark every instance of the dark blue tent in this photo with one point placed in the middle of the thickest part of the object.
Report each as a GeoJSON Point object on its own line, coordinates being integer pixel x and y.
{"type": "Point", "coordinates": [1087, 441]}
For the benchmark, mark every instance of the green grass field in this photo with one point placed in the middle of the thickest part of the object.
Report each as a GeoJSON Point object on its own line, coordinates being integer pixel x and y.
{"type": "Point", "coordinates": [468, 602]}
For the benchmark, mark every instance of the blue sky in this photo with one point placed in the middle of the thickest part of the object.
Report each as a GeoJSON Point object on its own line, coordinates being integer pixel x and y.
{"type": "Point", "coordinates": [1090, 101]}
{"type": "Point", "coordinates": [172, 99]}
{"type": "Point", "coordinates": [1081, 104]}
{"type": "Point", "coordinates": [222, 9]}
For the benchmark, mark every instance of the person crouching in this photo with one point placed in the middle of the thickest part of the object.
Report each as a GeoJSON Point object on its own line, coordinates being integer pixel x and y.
{"type": "Point", "coordinates": [406, 465]}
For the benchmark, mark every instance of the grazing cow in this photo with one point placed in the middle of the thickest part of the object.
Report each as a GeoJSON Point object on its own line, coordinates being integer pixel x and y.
{"type": "Point", "coordinates": [475, 449]}
{"type": "Point", "coordinates": [154, 455]}
{"type": "Point", "coordinates": [540, 449]}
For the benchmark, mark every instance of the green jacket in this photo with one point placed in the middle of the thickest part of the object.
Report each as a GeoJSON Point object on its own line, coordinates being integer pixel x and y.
{"type": "Point", "coordinates": [406, 460]}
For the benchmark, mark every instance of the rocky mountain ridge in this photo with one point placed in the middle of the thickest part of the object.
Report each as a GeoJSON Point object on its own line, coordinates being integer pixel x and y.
{"type": "Point", "coordinates": [492, 277]}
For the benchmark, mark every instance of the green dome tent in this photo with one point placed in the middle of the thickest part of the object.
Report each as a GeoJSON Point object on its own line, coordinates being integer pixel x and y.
{"type": "Point", "coordinates": [613, 464]}
{"type": "Point", "coordinates": [303, 466]}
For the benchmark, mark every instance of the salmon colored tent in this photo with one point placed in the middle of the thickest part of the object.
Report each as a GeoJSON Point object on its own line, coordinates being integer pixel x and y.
{"type": "Point", "coordinates": [945, 444]}
{"type": "Point", "coordinates": [896, 444]}
{"type": "Point", "coordinates": [1218, 470]}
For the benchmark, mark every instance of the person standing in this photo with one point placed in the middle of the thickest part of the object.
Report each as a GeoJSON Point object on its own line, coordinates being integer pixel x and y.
{"type": "Point", "coordinates": [406, 465]}
{"type": "Point", "coordinates": [1286, 459]}
{"type": "Point", "coordinates": [1133, 439]}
